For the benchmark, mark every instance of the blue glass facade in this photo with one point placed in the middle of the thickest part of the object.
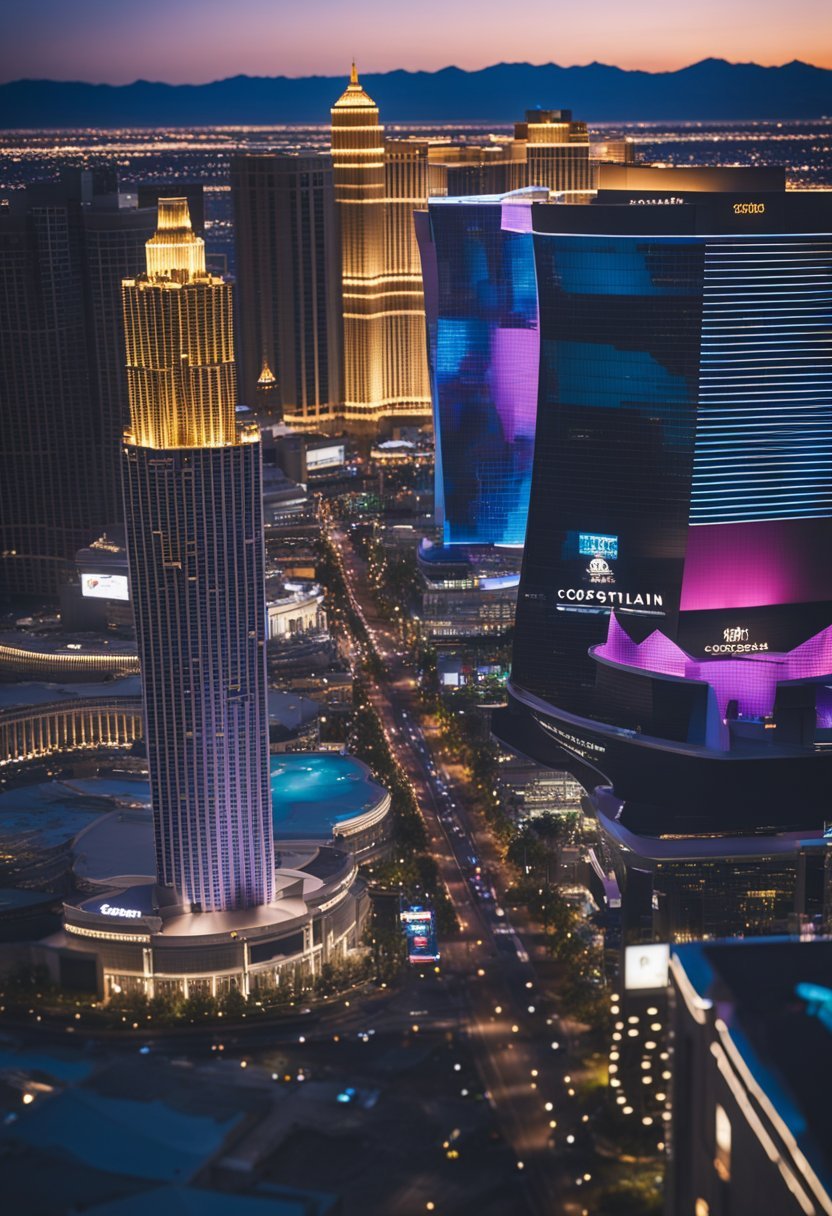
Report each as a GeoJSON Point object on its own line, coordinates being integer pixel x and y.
{"type": "Point", "coordinates": [481, 303]}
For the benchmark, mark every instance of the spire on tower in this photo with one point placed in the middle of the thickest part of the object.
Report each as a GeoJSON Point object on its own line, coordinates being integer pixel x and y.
{"type": "Point", "coordinates": [354, 95]}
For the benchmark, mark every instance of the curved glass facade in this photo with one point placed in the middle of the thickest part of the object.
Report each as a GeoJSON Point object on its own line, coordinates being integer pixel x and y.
{"type": "Point", "coordinates": [483, 341]}
{"type": "Point", "coordinates": [675, 609]}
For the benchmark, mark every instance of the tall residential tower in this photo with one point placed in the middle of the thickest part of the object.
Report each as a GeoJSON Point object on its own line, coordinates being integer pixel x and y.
{"type": "Point", "coordinates": [289, 284]}
{"type": "Point", "coordinates": [674, 620]}
{"type": "Point", "coordinates": [64, 248]}
{"type": "Point", "coordinates": [358, 169]}
{"type": "Point", "coordinates": [378, 185]}
{"type": "Point", "coordinates": [193, 506]}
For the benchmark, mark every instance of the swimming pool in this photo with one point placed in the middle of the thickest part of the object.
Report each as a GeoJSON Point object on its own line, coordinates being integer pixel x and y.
{"type": "Point", "coordinates": [313, 792]}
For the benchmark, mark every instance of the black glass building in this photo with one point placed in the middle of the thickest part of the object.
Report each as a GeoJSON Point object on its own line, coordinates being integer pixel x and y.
{"type": "Point", "coordinates": [674, 621]}
{"type": "Point", "coordinates": [289, 293]}
{"type": "Point", "coordinates": [65, 246]}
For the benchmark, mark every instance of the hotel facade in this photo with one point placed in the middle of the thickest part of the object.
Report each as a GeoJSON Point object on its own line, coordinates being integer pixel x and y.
{"type": "Point", "coordinates": [193, 508]}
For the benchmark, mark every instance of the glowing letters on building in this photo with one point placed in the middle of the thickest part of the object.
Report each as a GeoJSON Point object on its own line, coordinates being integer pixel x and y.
{"type": "Point", "coordinates": [591, 544]}
{"type": "Point", "coordinates": [126, 913]}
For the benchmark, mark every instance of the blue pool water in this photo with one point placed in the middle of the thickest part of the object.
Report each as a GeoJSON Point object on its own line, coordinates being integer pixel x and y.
{"type": "Point", "coordinates": [312, 792]}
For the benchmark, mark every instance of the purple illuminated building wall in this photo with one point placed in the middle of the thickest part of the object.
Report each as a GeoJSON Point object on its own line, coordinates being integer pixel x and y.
{"type": "Point", "coordinates": [483, 350]}
{"type": "Point", "coordinates": [747, 676]}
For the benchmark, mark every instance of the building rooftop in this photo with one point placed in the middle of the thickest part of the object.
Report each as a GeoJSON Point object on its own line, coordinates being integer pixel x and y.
{"type": "Point", "coordinates": [312, 794]}
{"type": "Point", "coordinates": [354, 97]}
{"type": "Point", "coordinates": [105, 1131]}
{"type": "Point", "coordinates": [14, 900]}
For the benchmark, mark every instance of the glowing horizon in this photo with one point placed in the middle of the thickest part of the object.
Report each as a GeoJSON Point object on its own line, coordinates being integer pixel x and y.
{"type": "Point", "coordinates": [209, 40]}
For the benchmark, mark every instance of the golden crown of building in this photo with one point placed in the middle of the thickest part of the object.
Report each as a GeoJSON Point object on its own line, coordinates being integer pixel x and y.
{"type": "Point", "coordinates": [376, 191]}
{"type": "Point", "coordinates": [178, 323]}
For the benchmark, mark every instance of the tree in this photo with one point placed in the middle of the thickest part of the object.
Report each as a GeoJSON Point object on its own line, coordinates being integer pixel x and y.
{"type": "Point", "coordinates": [198, 1006]}
{"type": "Point", "coordinates": [233, 1003]}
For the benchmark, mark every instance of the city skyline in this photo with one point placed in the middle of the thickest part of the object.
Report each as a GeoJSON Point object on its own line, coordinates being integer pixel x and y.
{"type": "Point", "coordinates": [412, 782]}
{"type": "Point", "coordinates": [102, 43]}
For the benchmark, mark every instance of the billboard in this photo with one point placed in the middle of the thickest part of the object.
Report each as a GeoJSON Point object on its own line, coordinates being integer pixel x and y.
{"type": "Point", "coordinates": [647, 966]}
{"type": "Point", "coordinates": [325, 458]}
{"type": "Point", "coordinates": [105, 586]}
{"type": "Point", "coordinates": [419, 926]}
{"type": "Point", "coordinates": [591, 544]}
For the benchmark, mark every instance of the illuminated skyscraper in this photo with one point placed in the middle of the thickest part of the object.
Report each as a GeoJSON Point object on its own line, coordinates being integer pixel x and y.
{"type": "Point", "coordinates": [674, 622]}
{"type": "Point", "coordinates": [358, 168]}
{"type": "Point", "coordinates": [408, 174]}
{"type": "Point", "coordinates": [379, 184]}
{"type": "Point", "coordinates": [377, 187]}
{"type": "Point", "coordinates": [556, 151]}
{"type": "Point", "coordinates": [193, 505]}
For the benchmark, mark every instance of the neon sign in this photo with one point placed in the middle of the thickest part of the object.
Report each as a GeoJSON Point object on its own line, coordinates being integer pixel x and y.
{"type": "Point", "coordinates": [612, 599]}
{"type": "Point", "coordinates": [735, 641]}
{"type": "Point", "coordinates": [594, 544]}
{"type": "Point", "coordinates": [127, 913]}
{"type": "Point", "coordinates": [420, 930]}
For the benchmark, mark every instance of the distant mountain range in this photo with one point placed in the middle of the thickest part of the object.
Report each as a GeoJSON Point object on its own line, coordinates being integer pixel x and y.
{"type": "Point", "coordinates": [711, 89]}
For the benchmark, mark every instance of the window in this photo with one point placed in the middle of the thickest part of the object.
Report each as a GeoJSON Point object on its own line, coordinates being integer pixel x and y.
{"type": "Point", "coordinates": [722, 1161]}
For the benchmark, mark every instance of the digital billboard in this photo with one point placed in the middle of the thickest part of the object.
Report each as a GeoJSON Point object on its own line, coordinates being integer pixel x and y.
{"type": "Point", "coordinates": [325, 458]}
{"type": "Point", "coordinates": [484, 346]}
{"type": "Point", "coordinates": [592, 544]}
{"type": "Point", "coordinates": [646, 967]}
{"type": "Point", "coordinates": [419, 926]}
{"type": "Point", "coordinates": [105, 586]}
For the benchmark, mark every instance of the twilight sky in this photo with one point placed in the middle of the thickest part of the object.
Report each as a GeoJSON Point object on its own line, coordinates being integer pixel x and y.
{"type": "Point", "coordinates": [118, 41]}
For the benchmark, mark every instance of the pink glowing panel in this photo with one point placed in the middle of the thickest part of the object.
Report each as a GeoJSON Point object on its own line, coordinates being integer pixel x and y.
{"type": "Point", "coordinates": [514, 359]}
{"type": "Point", "coordinates": [750, 680]}
{"type": "Point", "coordinates": [751, 685]}
{"type": "Point", "coordinates": [748, 565]}
{"type": "Point", "coordinates": [516, 217]}
{"type": "Point", "coordinates": [656, 653]}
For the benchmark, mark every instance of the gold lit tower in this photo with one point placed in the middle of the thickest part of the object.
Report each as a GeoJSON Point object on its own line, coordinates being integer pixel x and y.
{"type": "Point", "coordinates": [407, 186]}
{"type": "Point", "coordinates": [194, 521]}
{"type": "Point", "coordinates": [358, 172]}
{"type": "Point", "coordinates": [556, 152]}
{"type": "Point", "coordinates": [377, 187]}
